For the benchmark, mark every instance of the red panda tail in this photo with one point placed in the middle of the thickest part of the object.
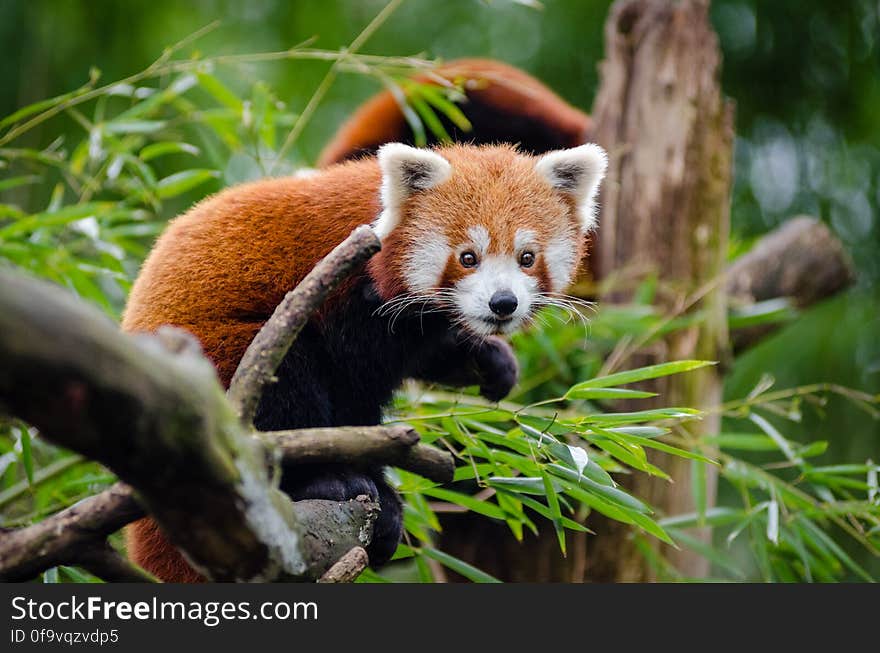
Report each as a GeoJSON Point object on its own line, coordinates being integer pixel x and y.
{"type": "Point", "coordinates": [504, 104]}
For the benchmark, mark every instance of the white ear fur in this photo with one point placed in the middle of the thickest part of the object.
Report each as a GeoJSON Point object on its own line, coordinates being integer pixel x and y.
{"type": "Point", "coordinates": [577, 171]}
{"type": "Point", "coordinates": [405, 170]}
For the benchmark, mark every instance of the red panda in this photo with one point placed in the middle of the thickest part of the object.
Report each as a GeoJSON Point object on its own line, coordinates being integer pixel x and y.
{"type": "Point", "coordinates": [503, 104]}
{"type": "Point", "coordinates": [474, 240]}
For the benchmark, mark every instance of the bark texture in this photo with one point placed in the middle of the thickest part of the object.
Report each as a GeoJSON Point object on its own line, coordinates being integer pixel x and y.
{"type": "Point", "coordinates": [364, 446]}
{"type": "Point", "coordinates": [802, 260]}
{"type": "Point", "coordinates": [349, 567]}
{"type": "Point", "coordinates": [661, 114]}
{"type": "Point", "coordinates": [77, 535]}
{"type": "Point", "coordinates": [159, 420]}
{"type": "Point", "coordinates": [150, 407]}
{"type": "Point", "coordinates": [83, 527]}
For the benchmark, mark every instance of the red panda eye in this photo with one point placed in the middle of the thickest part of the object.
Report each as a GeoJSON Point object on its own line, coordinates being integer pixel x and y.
{"type": "Point", "coordinates": [526, 259]}
{"type": "Point", "coordinates": [468, 259]}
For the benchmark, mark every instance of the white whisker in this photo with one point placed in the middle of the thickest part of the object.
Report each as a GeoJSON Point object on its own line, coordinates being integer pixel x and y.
{"type": "Point", "coordinates": [433, 300]}
{"type": "Point", "coordinates": [573, 308]}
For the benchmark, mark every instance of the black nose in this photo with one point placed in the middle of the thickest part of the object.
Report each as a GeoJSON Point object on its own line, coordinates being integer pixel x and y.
{"type": "Point", "coordinates": [503, 303]}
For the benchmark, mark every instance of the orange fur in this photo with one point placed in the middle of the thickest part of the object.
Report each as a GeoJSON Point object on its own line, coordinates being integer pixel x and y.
{"type": "Point", "coordinates": [508, 90]}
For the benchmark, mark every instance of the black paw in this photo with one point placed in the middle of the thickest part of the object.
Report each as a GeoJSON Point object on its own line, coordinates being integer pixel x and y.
{"type": "Point", "coordinates": [339, 483]}
{"type": "Point", "coordinates": [498, 369]}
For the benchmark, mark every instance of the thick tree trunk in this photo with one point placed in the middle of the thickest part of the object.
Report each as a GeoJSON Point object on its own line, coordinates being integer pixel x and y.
{"type": "Point", "coordinates": [661, 114]}
{"type": "Point", "coordinates": [669, 132]}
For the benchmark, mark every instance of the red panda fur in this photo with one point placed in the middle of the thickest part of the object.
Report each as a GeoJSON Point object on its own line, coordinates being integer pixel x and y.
{"type": "Point", "coordinates": [236, 271]}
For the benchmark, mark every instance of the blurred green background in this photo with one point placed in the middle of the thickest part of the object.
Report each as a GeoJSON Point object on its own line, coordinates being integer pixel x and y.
{"type": "Point", "coordinates": [805, 75]}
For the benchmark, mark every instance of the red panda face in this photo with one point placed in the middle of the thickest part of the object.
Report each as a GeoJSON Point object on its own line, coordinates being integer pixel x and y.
{"type": "Point", "coordinates": [484, 234]}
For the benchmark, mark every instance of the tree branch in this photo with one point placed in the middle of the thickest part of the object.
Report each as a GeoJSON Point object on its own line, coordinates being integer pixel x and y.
{"type": "Point", "coordinates": [802, 261]}
{"type": "Point", "coordinates": [363, 445]}
{"type": "Point", "coordinates": [61, 538]}
{"type": "Point", "coordinates": [161, 422]}
{"type": "Point", "coordinates": [76, 536]}
{"type": "Point", "coordinates": [196, 467]}
{"type": "Point", "coordinates": [349, 567]}
{"type": "Point", "coordinates": [265, 353]}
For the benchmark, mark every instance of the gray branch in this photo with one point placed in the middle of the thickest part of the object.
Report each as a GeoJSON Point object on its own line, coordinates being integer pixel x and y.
{"type": "Point", "coordinates": [105, 562]}
{"type": "Point", "coordinates": [363, 445]}
{"type": "Point", "coordinates": [349, 567]}
{"type": "Point", "coordinates": [66, 537]}
{"type": "Point", "coordinates": [76, 536]}
{"type": "Point", "coordinates": [802, 261]}
{"type": "Point", "coordinates": [71, 373]}
{"type": "Point", "coordinates": [161, 422]}
{"type": "Point", "coordinates": [265, 353]}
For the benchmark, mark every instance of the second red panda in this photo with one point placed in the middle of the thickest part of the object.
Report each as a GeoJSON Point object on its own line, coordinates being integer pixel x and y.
{"type": "Point", "coordinates": [502, 103]}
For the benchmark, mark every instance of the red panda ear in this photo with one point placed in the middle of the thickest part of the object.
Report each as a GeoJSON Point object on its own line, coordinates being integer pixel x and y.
{"type": "Point", "coordinates": [405, 170]}
{"type": "Point", "coordinates": [578, 172]}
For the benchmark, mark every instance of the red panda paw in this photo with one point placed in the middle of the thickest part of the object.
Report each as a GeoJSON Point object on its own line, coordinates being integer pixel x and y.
{"type": "Point", "coordinates": [497, 368]}
{"type": "Point", "coordinates": [341, 483]}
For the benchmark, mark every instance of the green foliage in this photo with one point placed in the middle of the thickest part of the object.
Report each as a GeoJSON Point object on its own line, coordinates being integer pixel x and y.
{"type": "Point", "coordinates": [552, 462]}
{"type": "Point", "coordinates": [83, 209]}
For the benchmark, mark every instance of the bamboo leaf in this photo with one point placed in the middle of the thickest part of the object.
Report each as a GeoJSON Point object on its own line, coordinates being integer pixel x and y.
{"type": "Point", "coordinates": [468, 571]}
{"type": "Point", "coordinates": [580, 457]}
{"type": "Point", "coordinates": [27, 460]}
{"type": "Point", "coordinates": [777, 437]}
{"type": "Point", "coordinates": [528, 485]}
{"type": "Point", "coordinates": [544, 511]}
{"type": "Point", "coordinates": [154, 150]}
{"type": "Point", "coordinates": [607, 393]}
{"type": "Point", "coordinates": [668, 448]}
{"type": "Point", "coordinates": [181, 182]}
{"type": "Point", "coordinates": [15, 182]}
{"type": "Point", "coordinates": [434, 95]}
{"type": "Point", "coordinates": [640, 374]}
{"type": "Point", "coordinates": [716, 516]}
{"type": "Point", "coordinates": [42, 105]}
{"type": "Point", "coordinates": [475, 505]}
{"type": "Point", "coordinates": [613, 419]}
{"type": "Point", "coordinates": [555, 513]}
{"type": "Point", "coordinates": [430, 119]}
{"type": "Point", "coordinates": [820, 535]}
{"type": "Point", "coordinates": [773, 522]}
{"type": "Point", "coordinates": [62, 216]}
{"type": "Point", "coordinates": [612, 494]}
{"type": "Point", "coordinates": [133, 126]}
{"type": "Point", "coordinates": [219, 91]}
